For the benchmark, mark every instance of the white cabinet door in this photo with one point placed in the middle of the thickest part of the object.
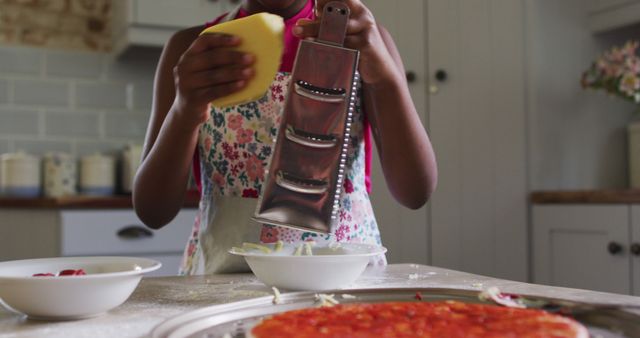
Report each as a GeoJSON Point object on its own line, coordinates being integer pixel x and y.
{"type": "Point", "coordinates": [477, 124]}
{"type": "Point", "coordinates": [404, 232]}
{"type": "Point", "coordinates": [153, 22]}
{"type": "Point", "coordinates": [582, 246]}
{"type": "Point", "coordinates": [634, 249]}
{"type": "Point", "coordinates": [179, 14]}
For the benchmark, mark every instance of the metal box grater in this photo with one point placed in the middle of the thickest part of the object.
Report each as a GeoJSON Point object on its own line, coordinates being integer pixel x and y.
{"type": "Point", "coordinates": [303, 183]}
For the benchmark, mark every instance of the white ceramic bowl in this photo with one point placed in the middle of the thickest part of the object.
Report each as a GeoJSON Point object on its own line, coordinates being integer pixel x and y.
{"type": "Point", "coordinates": [108, 282]}
{"type": "Point", "coordinates": [328, 268]}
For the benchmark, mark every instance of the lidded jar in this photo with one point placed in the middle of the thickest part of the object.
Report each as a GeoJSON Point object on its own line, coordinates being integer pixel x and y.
{"type": "Point", "coordinates": [97, 174]}
{"type": "Point", "coordinates": [60, 175]}
{"type": "Point", "coordinates": [20, 175]}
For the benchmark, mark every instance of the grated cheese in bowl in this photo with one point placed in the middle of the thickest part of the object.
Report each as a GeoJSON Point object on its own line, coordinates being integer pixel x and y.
{"type": "Point", "coordinates": [308, 265]}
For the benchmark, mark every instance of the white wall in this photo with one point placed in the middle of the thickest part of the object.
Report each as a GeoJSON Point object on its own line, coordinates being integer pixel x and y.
{"type": "Point", "coordinates": [577, 138]}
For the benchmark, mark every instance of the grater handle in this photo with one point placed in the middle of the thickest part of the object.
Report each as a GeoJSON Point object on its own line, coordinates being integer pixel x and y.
{"type": "Point", "coordinates": [333, 24]}
{"type": "Point", "coordinates": [301, 185]}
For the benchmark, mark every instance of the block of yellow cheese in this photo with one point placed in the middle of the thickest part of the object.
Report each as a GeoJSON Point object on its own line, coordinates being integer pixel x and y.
{"type": "Point", "coordinates": [262, 35]}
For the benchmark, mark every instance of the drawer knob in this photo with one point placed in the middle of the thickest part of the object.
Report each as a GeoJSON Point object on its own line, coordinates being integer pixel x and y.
{"type": "Point", "coordinates": [441, 75]}
{"type": "Point", "coordinates": [411, 76]}
{"type": "Point", "coordinates": [635, 249]}
{"type": "Point", "coordinates": [134, 232]}
{"type": "Point", "coordinates": [614, 248]}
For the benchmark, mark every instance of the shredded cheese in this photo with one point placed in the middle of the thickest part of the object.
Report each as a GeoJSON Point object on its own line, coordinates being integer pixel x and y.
{"type": "Point", "coordinates": [493, 294]}
{"type": "Point", "coordinates": [255, 246]}
{"type": "Point", "coordinates": [489, 294]}
{"type": "Point", "coordinates": [334, 246]}
{"type": "Point", "coordinates": [347, 296]}
{"type": "Point", "coordinates": [279, 246]}
{"type": "Point", "coordinates": [413, 276]}
{"type": "Point", "coordinates": [326, 300]}
{"type": "Point", "coordinates": [238, 250]}
{"type": "Point", "coordinates": [307, 248]}
{"type": "Point", "coordinates": [276, 296]}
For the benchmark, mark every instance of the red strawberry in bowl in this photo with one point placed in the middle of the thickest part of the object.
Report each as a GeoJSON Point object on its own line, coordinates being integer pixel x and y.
{"type": "Point", "coordinates": [71, 272]}
{"type": "Point", "coordinates": [66, 272]}
{"type": "Point", "coordinates": [46, 274]}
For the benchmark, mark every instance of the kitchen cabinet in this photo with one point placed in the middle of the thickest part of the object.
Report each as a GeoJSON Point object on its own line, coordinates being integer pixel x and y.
{"type": "Point", "coordinates": [179, 14]}
{"type": "Point", "coordinates": [465, 65]}
{"type": "Point", "coordinates": [152, 22]}
{"type": "Point", "coordinates": [589, 246]}
{"type": "Point", "coordinates": [634, 249]}
{"type": "Point", "coordinates": [605, 15]}
{"type": "Point", "coordinates": [36, 233]}
{"type": "Point", "coordinates": [404, 232]}
{"type": "Point", "coordinates": [477, 122]}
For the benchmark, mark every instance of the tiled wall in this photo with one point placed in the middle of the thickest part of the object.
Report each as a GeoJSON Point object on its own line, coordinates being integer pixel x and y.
{"type": "Point", "coordinates": [73, 101]}
{"type": "Point", "coordinates": [60, 89]}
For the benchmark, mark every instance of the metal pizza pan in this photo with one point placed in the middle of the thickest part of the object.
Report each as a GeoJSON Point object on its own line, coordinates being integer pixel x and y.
{"type": "Point", "coordinates": [235, 320]}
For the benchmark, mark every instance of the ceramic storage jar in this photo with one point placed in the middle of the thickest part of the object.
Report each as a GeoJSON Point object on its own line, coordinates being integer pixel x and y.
{"type": "Point", "coordinates": [20, 175]}
{"type": "Point", "coordinates": [60, 175]}
{"type": "Point", "coordinates": [131, 156]}
{"type": "Point", "coordinates": [97, 175]}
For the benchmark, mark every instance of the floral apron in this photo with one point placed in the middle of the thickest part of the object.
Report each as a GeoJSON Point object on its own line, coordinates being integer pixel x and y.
{"type": "Point", "coordinates": [234, 148]}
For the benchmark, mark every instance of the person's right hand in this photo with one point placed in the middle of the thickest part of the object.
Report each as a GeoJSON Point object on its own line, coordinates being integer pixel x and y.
{"type": "Point", "coordinates": [207, 70]}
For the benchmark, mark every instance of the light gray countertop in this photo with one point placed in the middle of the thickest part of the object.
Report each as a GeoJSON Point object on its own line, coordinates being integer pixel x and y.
{"type": "Point", "coordinates": [158, 299]}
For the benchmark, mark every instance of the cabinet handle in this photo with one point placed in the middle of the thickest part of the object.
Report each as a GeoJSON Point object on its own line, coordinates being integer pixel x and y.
{"type": "Point", "coordinates": [411, 76]}
{"type": "Point", "coordinates": [635, 249]}
{"type": "Point", "coordinates": [134, 232]}
{"type": "Point", "coordinates": [614, 248]}
{"type": "Point", "coordinates": [441, 75]}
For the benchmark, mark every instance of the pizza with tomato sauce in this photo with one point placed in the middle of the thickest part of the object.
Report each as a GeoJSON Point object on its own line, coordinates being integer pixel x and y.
{"type": "Point", "coordinates": [446, 319]}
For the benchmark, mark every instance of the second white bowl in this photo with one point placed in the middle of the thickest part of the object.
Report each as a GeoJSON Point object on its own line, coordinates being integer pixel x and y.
{"type": "Point", "coordinates": [328, 268]}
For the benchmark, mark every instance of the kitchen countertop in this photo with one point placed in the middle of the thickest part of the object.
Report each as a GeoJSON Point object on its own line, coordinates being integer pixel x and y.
{"type": "Point", "coordinates": [191, 200]}
{"type": "Point", "coordinates": [626, 196]}
{"type": "Point", "coordinates": [160, 298]}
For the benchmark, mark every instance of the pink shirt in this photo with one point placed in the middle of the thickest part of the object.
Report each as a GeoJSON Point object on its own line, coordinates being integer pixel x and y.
{"type": "Point", "coordinates": [288, 57]}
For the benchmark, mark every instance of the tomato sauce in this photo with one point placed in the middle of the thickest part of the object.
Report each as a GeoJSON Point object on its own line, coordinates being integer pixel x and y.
{"type": "Point", "coordinates": [416, 319]}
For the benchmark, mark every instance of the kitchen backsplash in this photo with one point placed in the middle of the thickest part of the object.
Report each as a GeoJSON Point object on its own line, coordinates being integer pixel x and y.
{"type": "Point", "coordinates": [60, 89]}
{"type": "Point", "coordinates": [71, 101]}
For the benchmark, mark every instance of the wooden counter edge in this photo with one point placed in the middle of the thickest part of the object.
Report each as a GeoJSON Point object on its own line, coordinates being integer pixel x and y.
{"type": "Point", "coordinates": [191, 200]}
{"type": "Point", "coordinates": [627, 196]}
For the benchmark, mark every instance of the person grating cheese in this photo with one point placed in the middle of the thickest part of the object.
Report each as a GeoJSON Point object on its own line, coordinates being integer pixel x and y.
{"type": "Point", "coordinates": [228, 143]}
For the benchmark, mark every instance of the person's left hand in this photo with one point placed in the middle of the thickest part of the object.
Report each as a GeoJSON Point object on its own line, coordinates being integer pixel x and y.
{"type": "Point", "coordinates": [363, 34]}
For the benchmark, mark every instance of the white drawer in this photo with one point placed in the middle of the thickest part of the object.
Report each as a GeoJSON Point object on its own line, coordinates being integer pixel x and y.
{"type": "Point", "coordinates": [117, 232]}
